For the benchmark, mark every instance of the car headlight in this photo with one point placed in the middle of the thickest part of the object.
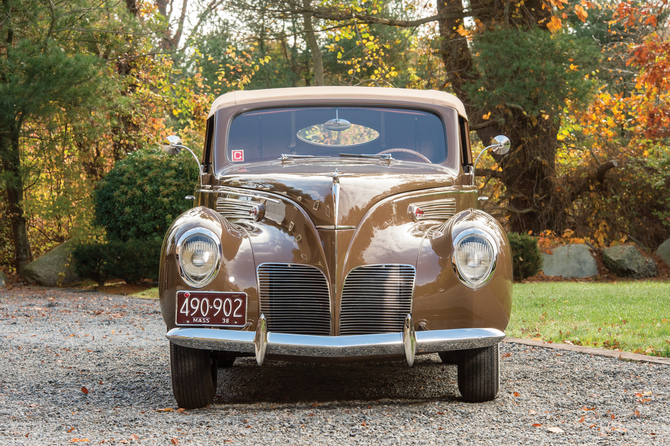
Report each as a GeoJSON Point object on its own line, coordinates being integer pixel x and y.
{"type": "Point", "coordinates": [199, 253]}
{"type": "Point", "coordinates": [474, 257]}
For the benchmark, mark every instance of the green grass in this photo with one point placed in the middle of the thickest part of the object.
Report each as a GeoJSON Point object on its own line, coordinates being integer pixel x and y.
{"type": "Point", "coordinates": [630, 316]}
{"type": "Point", "coordinates": [151, 293]}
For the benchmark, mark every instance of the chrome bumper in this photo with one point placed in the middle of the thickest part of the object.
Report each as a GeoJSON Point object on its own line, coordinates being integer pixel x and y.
{"type": "Point", "coordinates": [408, 343]}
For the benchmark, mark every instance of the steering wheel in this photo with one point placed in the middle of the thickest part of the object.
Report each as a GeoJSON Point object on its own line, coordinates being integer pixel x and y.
{"type": "Point", "coordinates": [401, 150]}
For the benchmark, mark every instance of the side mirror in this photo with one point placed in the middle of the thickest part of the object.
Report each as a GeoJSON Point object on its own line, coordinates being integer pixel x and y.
{"type": "Point", "coordinates": [172, 145]}
{"type": "Point", "coordinates": [502, 145]}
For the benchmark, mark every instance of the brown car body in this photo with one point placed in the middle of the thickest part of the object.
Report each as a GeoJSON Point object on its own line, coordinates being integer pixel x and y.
{"type": "Point", "coordinates": [328, 220]}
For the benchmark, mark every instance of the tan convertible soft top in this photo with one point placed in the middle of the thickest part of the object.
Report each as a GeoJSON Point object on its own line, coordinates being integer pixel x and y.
{"type": "Point", "coordinates": [337, 93]}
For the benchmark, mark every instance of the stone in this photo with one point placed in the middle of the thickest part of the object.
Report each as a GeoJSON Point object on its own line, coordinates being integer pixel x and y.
{"type": "Point", "coordinates": [55, 268]}
{"type": "Point", "coordinates": [3, 279]}
{"type": "Point", "coordinates": [663, 251]}
{"type": "Point", "coordinates": [627, 261]}
{"type": "Point", "coordinates": [570, 261]}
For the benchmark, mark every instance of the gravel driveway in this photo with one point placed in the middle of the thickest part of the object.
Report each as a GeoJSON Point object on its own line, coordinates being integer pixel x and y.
{"type": "Point", "coordinates": [94, 368]}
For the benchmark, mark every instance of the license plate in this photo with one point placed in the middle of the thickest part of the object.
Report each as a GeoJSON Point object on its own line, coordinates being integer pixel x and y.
{"type": "Point", "coordinates": [212, 309]}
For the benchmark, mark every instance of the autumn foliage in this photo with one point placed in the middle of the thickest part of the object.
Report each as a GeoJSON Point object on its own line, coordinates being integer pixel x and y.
{"type": "Point", "coordinates": [581, 87]}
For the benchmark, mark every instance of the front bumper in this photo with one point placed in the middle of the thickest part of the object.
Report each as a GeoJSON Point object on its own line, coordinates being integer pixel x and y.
{"type": "Point", "coordinates": [407, 343]}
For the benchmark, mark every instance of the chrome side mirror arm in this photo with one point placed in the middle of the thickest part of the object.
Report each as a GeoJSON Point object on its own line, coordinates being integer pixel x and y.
{"type": "Point", "coordinates": [173, 146]}
{"type": "Point", "coordinates": [501, 146]}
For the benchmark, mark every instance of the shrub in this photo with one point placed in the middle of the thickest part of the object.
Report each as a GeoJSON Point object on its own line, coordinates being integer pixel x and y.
{"type": "Point", "coordinates": [527, 259]}
{"type": "Point", "coordinates": [91, 261]}
{"type": "Point", "coordinates": [134, 260]}
{"type": "Point", "coordinates": [141, 196]}
{"type": "Point", "coordinates": [131, 261]}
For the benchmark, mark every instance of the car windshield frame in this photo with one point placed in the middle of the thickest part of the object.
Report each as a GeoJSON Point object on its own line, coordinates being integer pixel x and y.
{"type": "Point", "coordinates": [430, 135]}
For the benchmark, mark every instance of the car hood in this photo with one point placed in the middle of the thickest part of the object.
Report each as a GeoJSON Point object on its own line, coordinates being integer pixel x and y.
{"type": "Point", "coordinates": [336, 193]}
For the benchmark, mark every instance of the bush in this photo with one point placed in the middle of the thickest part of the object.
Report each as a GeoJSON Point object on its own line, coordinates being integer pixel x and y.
{"type": "Point", "coordinates": [141, 196]}
{"type": "Point", "coordinates": [527, 259]}
{"type": "Point", "coordinates": [131, 261]}
{"type": "Point", "coordinates": [91, 261]}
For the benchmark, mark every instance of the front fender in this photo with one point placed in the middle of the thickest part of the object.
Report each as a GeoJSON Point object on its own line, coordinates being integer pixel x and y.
{"type": "Point", "coordinates": [236, 273]}
{"type": "Point", "coordinates": [441, 301]}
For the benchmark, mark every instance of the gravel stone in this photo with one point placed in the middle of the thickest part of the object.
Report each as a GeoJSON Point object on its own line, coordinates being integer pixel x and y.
{"type": "Point", "coordinates": [89, 366]}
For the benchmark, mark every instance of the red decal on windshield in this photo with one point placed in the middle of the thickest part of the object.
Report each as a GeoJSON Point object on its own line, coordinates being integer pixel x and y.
{"type": "Point", "coordinates": [238, 155]}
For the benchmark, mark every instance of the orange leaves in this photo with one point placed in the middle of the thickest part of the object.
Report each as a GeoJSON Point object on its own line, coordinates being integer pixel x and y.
{"type": "Point", "coordinates": [557, 3]}
{"type": "Point", "coordinates": [84, 390]}
{"type": "Point", "coordinates": [581, 13]}
{"type": "Point", "coordinates": [555, 24]}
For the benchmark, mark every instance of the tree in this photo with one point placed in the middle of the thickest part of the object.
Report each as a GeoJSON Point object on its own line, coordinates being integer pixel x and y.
{"type": "Point", "coordinates": [55, 82]}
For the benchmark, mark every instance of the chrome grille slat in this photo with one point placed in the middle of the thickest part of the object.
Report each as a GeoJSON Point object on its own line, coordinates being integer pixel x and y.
{"type": "Point", "coordinates": [234, 207]}
{"type": "Point", "coordinates": [294, 298]}
{"type": "Point", "coordinates": [376, 299]}
{"type": "Point", "coordinates": [437, 209]}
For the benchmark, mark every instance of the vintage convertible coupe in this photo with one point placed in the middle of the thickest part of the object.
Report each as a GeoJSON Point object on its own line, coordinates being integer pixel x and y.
{"type": "Point", "coordinates": [335, 224]}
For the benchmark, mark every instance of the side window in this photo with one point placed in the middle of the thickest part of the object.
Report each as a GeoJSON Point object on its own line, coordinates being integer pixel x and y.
{"type": "Point", "coordinates": [465, 141]}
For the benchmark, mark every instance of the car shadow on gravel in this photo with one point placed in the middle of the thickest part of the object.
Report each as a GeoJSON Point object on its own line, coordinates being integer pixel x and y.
{"type": "Point", "coordinates": [289, 382]}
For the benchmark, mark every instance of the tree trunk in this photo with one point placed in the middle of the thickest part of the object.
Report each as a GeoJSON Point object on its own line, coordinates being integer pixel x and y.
{"type": "Point", "coordinates": [528, 171]}
{"type": "Point", "coordinates": [313, 44]}
{"type": "Point", "coordinates": [11, 166]}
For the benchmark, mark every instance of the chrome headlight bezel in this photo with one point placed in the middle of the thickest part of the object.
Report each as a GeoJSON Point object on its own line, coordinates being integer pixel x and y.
{"type": "Point", "coordinates": [181, 258]}
{"type": "Point", "coordinates": [493, 246]}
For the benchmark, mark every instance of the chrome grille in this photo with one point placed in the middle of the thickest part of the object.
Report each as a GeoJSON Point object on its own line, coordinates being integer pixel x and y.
{"type": "Point", "coordinates": [235, 207]}
{"type": "Point", "coordinates": [435, 210]}
{"type": "Point", "coordinates": [376, 299]}
{"type": "Point", "coordinates": [294, 298]}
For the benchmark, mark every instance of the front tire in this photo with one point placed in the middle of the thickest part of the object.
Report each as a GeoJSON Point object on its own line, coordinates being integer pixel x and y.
{"type": "Point", "coordinates": [479, 374]}
{"type": "Point", "coordinates": [193, 376]}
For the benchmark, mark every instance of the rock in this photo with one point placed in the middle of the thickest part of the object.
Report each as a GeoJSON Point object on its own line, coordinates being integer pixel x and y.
{"type": "Point", "coordinates": [663, 251]}
{"type": "Point", "coordinates": [55, 268]}
{"type": "Point", "coordinates": [3, 279]}
{"type": "Point", "coordinates": [627, 261]}
{"type": "Point", "coordinates": [570, 261]}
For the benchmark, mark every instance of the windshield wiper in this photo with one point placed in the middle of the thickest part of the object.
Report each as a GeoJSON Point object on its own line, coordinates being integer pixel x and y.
{"type": "Point", "coordinates": [289, 156]}
{"type": "Point", "coordinates": [381, 156]}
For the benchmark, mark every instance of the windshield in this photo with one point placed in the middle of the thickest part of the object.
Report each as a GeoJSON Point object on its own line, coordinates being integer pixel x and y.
{"type": "Point", "coordinates": [410, 135]}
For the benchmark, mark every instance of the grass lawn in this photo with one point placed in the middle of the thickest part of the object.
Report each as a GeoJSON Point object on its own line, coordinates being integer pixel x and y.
{"type": "Point", "coordinates": [150, 293]}
{"type": "Point", "coordinates": [630, 316]}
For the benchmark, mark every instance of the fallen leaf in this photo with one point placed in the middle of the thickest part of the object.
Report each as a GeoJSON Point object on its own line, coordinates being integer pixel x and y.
{"type": "Point", "coordinates": [363, 424]}
{"type": "Point", "coordinates": [506, 355]}
{"type": "Point", "coordinates": [174, 441]}
{"type": "Point", "coordinates": [581, 420]}
{"type": "Point", "coordinates": [555, 430]}
{"type": "Point", "coordinates": [613, 417]}
{"type": "Point", "coordinates": [537, 425]}
{"type": "Point", "coordinates": [637, 413]}
{"type": "Point", "coordinates": [516, 394]}
{"type": "Point", "coordinates": [79, 440]}
{"type": "Point", "coordinates": [134, 436]}
{"type": "Point", "coordinates": [85, 390]}
{"type": "Point", "coordinates": [181, 410]}
{"type": "Point", "coordinates": [70, 430]}
{"type": "Point", "coordinates": [167, 409]}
